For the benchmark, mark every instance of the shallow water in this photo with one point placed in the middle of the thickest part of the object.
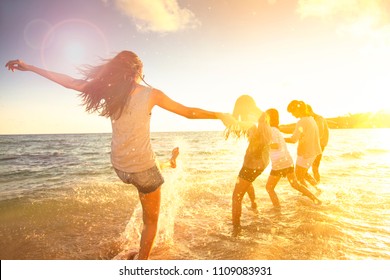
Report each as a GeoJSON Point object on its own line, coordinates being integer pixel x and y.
{"type": "Point", "coordinates": [60, 199]}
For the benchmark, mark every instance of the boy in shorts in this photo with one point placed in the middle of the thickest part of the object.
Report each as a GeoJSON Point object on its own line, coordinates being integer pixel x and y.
{"type": "Point", "coordinates": [307, 135]}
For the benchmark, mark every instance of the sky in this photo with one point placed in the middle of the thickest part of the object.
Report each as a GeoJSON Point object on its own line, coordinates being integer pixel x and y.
{"type": "Point", "coordinates": [332, 54]}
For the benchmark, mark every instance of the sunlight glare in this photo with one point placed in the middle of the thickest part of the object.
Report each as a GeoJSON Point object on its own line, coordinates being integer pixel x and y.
{"type": "Point", "coordinates": [72, 41]}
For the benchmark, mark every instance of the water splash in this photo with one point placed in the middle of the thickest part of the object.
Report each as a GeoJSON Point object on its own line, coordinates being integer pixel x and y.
{"type": "Point", "coordinates": [171, 202]}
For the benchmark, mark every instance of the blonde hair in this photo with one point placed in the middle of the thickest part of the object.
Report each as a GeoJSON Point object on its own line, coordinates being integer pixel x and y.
{"type": "Point", "coordinates": [245, 105]}
{"type": "Point", "coordinates": [263, 131]}
{"type": "Point", "coordinates": [244, 108]}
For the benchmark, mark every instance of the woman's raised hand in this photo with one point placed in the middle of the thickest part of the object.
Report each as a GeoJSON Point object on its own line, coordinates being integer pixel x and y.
{"type": "Point", "coordinates": [16, 64]}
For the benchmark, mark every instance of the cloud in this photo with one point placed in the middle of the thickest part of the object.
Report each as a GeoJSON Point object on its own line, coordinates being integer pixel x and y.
{"type": "Point", "coordinates": [343, 8]}
{"type": "Point", "coordinates": [158, 15]}
{"type": "Point", "coordinates": [355, 17]}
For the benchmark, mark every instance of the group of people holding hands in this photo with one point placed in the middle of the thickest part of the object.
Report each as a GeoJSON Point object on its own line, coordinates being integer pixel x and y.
{"type": "Point", "coordinates": [267, 143]}
{"type": "Point", "coordinates": [114, 89]}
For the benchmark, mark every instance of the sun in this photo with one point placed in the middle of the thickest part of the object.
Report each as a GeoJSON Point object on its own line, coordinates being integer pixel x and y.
{"type": "Point", "coordinates": [72, 42]}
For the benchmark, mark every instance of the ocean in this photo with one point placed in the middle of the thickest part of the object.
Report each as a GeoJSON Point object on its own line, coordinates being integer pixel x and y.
{"type": "Point", "coordinates": [60, 199]}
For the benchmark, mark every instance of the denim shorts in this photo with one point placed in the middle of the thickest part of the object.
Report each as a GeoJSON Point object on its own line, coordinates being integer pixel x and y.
{"type": "Point", "coordinates": [145, 181]}
{"type": "Point", "coordinates": [249, 174]}
{"type": "Point", "coordinates": [282, 172]}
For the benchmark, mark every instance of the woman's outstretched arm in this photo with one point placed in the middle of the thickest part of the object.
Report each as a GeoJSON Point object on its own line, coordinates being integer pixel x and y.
{"type": "Point", "coordinates": [163, 101]}
{"type": "Point", "coordinates": [58, 78]}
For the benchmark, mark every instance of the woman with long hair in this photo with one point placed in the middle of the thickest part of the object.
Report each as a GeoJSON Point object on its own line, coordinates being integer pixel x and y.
{"type": "Point", "coordinates": [252, 123]}
{"type": "Point", "coordinates": [114, 90]}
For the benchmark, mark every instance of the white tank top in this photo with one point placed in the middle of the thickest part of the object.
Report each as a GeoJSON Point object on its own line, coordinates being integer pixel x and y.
{"type": "Point", "coordinates": [131, 150]}
{"type": "Point", "coordinates": [280, 157]}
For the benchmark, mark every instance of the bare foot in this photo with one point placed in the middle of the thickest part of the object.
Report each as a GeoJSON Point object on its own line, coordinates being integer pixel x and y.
{"type": "Point", "coordinates": [236, 231]}
{"type": "Point", "coordinates": [254, 205]}
{"type": "Point", "coordinates": [175, 154]}
{"type": "Point", "coordinates": [254, 208]}
{"type": "Point", "coordinates": [317, 201]}
{"type": "Point", "coordinates": [318, 190]}
{"type": "Point", "coordinates": [132, 255]}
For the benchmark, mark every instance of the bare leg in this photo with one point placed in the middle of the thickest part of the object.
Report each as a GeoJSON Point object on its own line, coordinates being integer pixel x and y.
{"type": "Point", "coordinates": [252, 196]}
{"type": "Point", "coordinates": [312, 182]}
{"type": "Point", "coordinates": [150, 213]}
{"type": "Point", "coordinates": [172, 161]}
{"type": "Point", "coordinates": [300, 173]}
{"type": "Point", "coordinates": [296, 185]}
{"type": "Point", "coordinates": [315, 168]}
{"type": "Point", "coordinates": [310, 179]}
{"type": "Point", "coordinates": [240, 189]}
{"type": "Point", "coordinates": [270, 187]}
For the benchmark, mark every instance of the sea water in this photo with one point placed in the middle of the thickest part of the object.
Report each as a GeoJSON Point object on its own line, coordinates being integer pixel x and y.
{"type": "Point", "coordinates": [61, 199]}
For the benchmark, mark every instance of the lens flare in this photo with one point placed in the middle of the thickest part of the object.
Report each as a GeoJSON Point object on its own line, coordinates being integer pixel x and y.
{"type": "Point", "coordinates": [72, 40]}
{"type": "Point", "coordinates": [35, 31]}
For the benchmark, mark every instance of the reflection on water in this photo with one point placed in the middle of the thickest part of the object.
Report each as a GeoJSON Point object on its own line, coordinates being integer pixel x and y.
{"type": "Point", "coordinates": [60, 199]}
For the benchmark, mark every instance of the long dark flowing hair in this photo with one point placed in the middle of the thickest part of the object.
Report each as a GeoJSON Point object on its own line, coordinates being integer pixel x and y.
{"type": "Point", "coordinates": [110, 84]}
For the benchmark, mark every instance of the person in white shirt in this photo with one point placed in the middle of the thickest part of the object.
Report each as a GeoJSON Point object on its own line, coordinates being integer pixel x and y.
{"type": "Point", "coordinates": [282, 163]}
{"type": "Point", "coordinates": [307, 135]}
